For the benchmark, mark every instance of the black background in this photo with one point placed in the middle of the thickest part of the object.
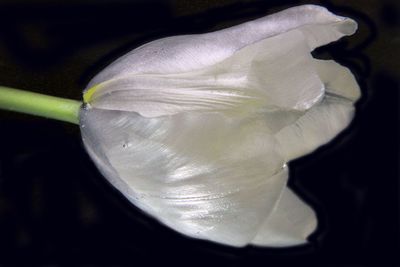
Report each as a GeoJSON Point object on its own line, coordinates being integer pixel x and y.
{"type": "Point", "coordinates": [55, 207]}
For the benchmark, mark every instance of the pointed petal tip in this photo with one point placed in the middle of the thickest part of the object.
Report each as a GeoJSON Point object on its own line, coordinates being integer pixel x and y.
{"type": "Point", "coordinates": [311, 226]}
{"type": "Point", "coordinates": [348, 26]}
{"type": "Point", "coordinates": [287, 241]}
{"type": "Point", "coordinates": [290, 225]}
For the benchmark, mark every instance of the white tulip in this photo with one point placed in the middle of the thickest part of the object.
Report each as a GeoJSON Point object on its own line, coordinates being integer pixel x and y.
{"type": "Point", "coordinates": [196, 130]}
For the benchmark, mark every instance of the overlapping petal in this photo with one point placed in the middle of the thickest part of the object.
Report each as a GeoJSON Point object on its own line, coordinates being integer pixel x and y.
{"type": "Point", "coordinates": [203, 175]}
{"type": "Point", "coordinates": [275, 73]}
{"type": "Point", "coordinates": [192, 52]}
{"type": "Point", "coordinates": [326, 119]}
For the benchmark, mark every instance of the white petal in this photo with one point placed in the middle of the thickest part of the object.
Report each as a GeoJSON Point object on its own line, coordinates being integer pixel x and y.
{"type": "Point", "coordinates": [282, 68]}
{"type": "Point", "coordinates": [206, 176]}
{"type": "Point", "coordinates": [192, 52]}
{"type": "Point", "coordinates": [316, 127]}
{"type": "Point", "coordinates": [276, 73]}
{"type": "Point", "coordinates": [290, 223]}
{"type": "Point", "coordinates": [325, 120]}
{"type": "Point", "coordinates": [338, 79]}
{"type": "Point", "coordinates": [153, 96]}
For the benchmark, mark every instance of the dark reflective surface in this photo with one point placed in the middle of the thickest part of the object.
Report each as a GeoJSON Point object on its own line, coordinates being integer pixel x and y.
{"type": "Point", "coordinates": [54, 205]}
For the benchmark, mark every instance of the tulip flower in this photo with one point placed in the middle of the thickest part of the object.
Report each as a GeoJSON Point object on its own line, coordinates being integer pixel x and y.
{"type": "Point", "coordinates": [197, 130]}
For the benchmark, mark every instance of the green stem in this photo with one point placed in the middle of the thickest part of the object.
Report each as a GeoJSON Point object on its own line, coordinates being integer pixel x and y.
{"type": "Point", "coordinates": [39, 104]}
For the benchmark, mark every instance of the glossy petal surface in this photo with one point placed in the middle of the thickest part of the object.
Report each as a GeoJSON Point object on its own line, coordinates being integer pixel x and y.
{"type": "Point", "coordinates": [204, 175]}
{"type": "Point", "coordinates": [196, 130]}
